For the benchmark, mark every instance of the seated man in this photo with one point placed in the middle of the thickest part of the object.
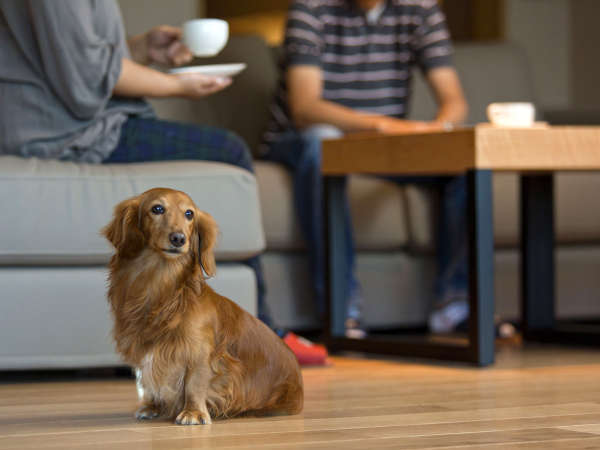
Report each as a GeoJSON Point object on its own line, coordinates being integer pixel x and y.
{"type": "Point", "coordinates": [347, 66]}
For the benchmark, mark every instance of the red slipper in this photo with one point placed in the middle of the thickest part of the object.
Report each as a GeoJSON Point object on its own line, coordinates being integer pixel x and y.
{"type": "Point", "coordinates": [308, 353]}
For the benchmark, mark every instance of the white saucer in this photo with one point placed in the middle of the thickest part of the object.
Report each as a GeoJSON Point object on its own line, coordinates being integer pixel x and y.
{"type": "Point", "coordinates": [216, 70]}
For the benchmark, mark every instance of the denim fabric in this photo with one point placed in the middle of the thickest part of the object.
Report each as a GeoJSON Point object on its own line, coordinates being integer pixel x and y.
{"type": "Point", "coordinates": [160, 140]}
{"type": "Point", "coordinates": [150, 139]}
{"type": "Point", "coordinates": [300, 152]}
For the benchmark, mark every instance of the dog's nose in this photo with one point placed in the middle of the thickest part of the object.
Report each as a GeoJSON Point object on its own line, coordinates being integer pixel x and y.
{"type": "Point", "coordinates": [177, 239]}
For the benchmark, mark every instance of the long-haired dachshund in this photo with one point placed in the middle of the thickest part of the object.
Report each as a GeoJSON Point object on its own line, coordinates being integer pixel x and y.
{"type": "Point", "coordinates": [200, 356]}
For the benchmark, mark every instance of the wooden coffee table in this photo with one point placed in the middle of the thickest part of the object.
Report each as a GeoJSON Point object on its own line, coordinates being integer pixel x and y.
{"type": "Point", "coordinates": [535, 153]}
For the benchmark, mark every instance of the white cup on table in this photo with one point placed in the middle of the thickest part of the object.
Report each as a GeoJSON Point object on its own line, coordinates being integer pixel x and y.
{"type": "Point", "coordinates": [511, 114]}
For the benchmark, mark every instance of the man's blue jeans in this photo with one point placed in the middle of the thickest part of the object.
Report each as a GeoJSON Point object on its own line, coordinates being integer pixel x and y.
{"type": "Point", "coordinates": [300, 152]}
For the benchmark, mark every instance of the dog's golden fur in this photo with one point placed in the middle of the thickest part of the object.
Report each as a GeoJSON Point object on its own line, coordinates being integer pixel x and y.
{"type": "Point", "coordinates": [199, 354]}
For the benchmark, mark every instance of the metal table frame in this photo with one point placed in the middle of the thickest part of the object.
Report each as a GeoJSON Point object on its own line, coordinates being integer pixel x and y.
{"type": "Point", "coordinates": [536, 154]}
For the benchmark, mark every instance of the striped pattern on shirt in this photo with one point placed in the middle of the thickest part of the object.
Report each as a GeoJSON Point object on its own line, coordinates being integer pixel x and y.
{"type": "Point", "coordinates": [364, 66]}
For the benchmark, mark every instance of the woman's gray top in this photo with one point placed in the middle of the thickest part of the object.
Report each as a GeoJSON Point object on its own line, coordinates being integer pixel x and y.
{"type": "Point", "coordinates": [59, 63]}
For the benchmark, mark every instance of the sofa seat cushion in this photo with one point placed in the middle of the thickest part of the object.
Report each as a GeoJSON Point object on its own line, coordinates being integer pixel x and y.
{"type": "Point", "coordinates": [575, 221]}
{"type": "Point", "coordinates": [423, 205]}
{"type": "Point", "coordinates": [53, 210]}
{"type": "Point", "coordinates": [577, 208]}
{"type": "Point", "coordinates": [58, 317]}
{"type": "Point", "coordinates": [377, 207]}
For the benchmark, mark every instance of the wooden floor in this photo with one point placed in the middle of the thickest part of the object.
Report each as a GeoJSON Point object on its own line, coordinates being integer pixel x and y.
{"type": "Point", "coordinates": [537, 398]}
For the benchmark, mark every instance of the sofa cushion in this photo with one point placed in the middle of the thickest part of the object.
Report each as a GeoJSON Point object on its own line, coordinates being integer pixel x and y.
{"type": "Point", "coordinates": [576, 207]}
{"type": "Point", "coordinates": [53, 211]}
{"type": "Point", "coordinates": [575, 221]}
{"type": "Point", "coordinates": [378, 213]}
{"type": "Point", "coordinates": [422, 207]}
{"type": "Point", "coordinates": [506, 209]}
{"type": "Point", "coordinates": [58, 317]}
{"type": "Point", "coordinates": [377, 206]}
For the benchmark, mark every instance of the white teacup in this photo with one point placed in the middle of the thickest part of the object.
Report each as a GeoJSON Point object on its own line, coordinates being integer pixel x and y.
{"type": "Point", "coordinates": [205, 37]}
{"type": "Point", "coordinates": [514, 114]}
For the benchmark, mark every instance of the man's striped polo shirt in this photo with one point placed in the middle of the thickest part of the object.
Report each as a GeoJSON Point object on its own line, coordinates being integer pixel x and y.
{"type": "Point", "coordinates": [365, 66]}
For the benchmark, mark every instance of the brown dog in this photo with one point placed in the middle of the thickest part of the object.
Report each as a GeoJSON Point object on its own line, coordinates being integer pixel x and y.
{"type": "Point", "coordinates": [199, 354]}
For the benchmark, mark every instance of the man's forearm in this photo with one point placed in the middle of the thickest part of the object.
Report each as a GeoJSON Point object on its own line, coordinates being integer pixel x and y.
{"type": "Point", "coordinates": [136, 80]}
{"type": "Point", "coordinates": [452, 106]}
{"type": "Point", "coordinates": [346, 119]}
{"type": "Point", "coordinates": [454, 112]}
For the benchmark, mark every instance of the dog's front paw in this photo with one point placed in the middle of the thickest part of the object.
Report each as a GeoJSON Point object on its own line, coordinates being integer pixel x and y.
{"type": "Point", "coordinates": [147, 412]}
{"type": "Point", "coordinates": [186, 417]}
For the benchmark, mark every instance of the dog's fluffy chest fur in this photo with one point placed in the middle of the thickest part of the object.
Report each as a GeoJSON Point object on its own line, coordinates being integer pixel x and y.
{"type": "Point", "coordinates": [150, 306]}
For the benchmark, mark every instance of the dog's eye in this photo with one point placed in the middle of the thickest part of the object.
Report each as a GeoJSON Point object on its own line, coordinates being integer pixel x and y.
{"type": "Point", "coordinates": [189, 214]}
{"type": "Point", "coordinates": [158, 209]}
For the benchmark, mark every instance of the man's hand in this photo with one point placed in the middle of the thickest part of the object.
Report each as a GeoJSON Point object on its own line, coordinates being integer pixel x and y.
{"type": "Point", "coordinates": [196, 85]}
{"type": "Point", "coordinates": [161, 45]}
{"type": "Point", "coordinates": [389, 125]}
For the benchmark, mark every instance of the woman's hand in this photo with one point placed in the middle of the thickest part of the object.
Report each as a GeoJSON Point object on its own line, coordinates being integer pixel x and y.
{"type": "Point", "coordinates": [161, 45]}
{"type": "Point", "coordinates": [136, 80]}
{"type": "Point", "coordinates": [196, 85]}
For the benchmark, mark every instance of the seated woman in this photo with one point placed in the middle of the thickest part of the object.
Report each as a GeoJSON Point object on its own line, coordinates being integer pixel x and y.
{"type": "Point", "coordinates": [73, 87]}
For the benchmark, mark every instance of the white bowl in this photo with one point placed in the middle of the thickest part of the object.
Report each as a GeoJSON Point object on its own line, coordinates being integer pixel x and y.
{"type": "Point", "coordinates": [513, 114]}
{"type": "Point", "coordinates": [205, 37]}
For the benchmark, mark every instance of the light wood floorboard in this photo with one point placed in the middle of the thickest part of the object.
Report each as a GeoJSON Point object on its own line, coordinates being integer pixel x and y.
{"type": "Point", "coordinates": [537, 398]}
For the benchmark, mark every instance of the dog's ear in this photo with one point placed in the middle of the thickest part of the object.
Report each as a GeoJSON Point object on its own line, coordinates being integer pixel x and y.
{"type": "Point", "coordinates": [205, 240]}
{"type": "Point", "coordinates": [123, 231]}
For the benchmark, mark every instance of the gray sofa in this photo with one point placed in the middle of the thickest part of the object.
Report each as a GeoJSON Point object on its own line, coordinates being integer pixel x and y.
{"type": "Point", "coordinates": [53, 308]}
{"type": "Point", "coordinates": [53, 311]}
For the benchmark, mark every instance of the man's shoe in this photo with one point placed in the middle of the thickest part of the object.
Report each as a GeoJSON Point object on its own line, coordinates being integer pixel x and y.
{"type": "Point", "coordinates": [448, 317]}
{"type": "Point", "coordinates": [354, 330]}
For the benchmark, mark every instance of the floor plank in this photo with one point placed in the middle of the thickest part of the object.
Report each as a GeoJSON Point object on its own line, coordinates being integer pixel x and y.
{"type": "Point", "coordinates": [531, 399]}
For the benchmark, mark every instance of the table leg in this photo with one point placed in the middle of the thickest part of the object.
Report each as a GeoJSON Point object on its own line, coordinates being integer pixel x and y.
{"type": "Point", "coordinates": [335, 264]}
{"type": "Point", "coordinates": [481, 266]}
{"type": "Point", "coordinates": [537, 252]}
